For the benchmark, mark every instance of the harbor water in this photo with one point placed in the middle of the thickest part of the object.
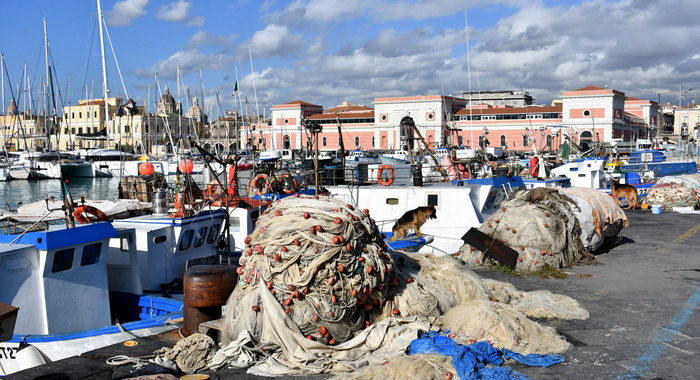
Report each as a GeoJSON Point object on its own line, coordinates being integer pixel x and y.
{"type": "Point", "coordinates": [13, 192]}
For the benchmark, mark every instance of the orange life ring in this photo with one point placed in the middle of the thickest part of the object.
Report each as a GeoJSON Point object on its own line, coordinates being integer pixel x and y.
{"type": "Point", "coordinates": [290, 185]}
{"type": "Point", "coordinates": [386, 182]}
{"type": "Point", "coordinates": [258, 188]}
{"type": "Point", "coordinates": [87, 214]}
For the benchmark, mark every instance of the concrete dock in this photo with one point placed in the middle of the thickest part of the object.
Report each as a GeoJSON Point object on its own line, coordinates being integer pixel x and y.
{"type": "Point", "coordinates": [642, 295]}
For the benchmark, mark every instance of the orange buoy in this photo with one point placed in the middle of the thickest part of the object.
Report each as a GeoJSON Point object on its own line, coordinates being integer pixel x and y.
{"type": "Point", "coordinates": [146, 168]}
{"type": "Point", "coordinates": [185, 166]}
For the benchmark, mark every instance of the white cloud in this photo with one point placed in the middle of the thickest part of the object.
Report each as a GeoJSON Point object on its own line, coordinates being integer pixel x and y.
{"type": "Point", "coordinates": [274, 40]}
{"type": "Point", "coordinates": [125, 12]}
{"type": "Point", "coordinates": [178, 11]}
{"type": "Point", "coordinates": [189, 60]}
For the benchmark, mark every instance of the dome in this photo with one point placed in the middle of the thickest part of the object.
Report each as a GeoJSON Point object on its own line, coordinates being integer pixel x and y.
{"type": "Point", "coordinates": [166, 103]}
{"type": "Point", "coordinates": [12, 108]}
{"type": "Point", "coordinates": [167, 98]}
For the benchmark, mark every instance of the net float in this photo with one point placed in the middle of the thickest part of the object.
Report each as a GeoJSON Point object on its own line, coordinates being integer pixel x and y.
{"type": "Point", "coordinates": [278, 213]}
{"type": "Point", "coordinates": [395, 311]}
{"type": "Point", "coordinates": [288, 311]}
{"type": "Point", "coordinates": [337, 220]}
{"type": "Point", "coordinates": [278, 257]}
{"type": "Point", "coordinates": [409, 280]}
{"type": "Point", "coordinates": [255, 308]}
{"type": "Point", "coordinates": [287, 302]}
{"type": "Point", "coordinates": [306, 215]}
{"type": "Point", "coordinates": [285, 249]}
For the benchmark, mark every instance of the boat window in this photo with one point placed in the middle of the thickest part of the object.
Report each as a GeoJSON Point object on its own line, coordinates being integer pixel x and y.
{"type": "Point", "coordinates": [91, 254]}
{"type": "Point", "coordinates": [213, 233]}
{"type": "Point", "coordinates": [235, 222]}
{"type": "Point", "coordinates": [62, 260]}
{"type": "Point", "coordinates": [124, 244]}
{"type": "Point", "coordinates": [159, 239]}
{"type": "Point", "coordinates": [392, 201]}
{"type": "Point", "coordinates": [432, 199]}
{"type": "Point", "coordinates": [186, 240]}
{"type": "Point", "coordinates": [201, 235]}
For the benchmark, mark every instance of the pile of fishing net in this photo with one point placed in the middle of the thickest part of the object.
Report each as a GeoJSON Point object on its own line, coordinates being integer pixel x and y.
{"type": "Point", "coordinates": [550, 227]}
{"type": "Point", "coordinates": [676, 191]}
{"type": "Point", "coordinates": [318, 292]}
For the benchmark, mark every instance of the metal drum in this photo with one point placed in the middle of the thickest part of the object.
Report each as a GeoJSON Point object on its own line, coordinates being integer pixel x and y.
{"type": "Point", "coordinates": [160, 202]}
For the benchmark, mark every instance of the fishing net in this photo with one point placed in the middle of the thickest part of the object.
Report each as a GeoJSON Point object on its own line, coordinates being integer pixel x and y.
{"type": "Point", "coordinates": [676, 191]}
{"type": "Point", "coordinates": [319, 303]}
{"type": "Point", "coordinates": [563, 227]}
{"type": "Point", "coordinates": [322, 259]}
{"type": "Point", "coordinates": [414, 367]}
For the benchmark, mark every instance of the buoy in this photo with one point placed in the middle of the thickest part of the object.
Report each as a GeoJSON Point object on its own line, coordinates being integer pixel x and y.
{"type": "Point", "coordinates": [146, 168]}
{"type": "Point", "coordinates": [185, 166]}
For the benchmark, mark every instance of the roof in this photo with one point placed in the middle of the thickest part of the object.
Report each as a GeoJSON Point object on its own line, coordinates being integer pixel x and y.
{"type": "Point", "coordinates": [509, 110]}
{"type": "Point", "coordinates": [344, 115]}
{"type": "Point", "coordinates": [296, 103]}
{"type": "Point", "coordinates": [590, 88]}
{"type": "Point", "coordinates": [348, 107]}
{"type": "Point", "coordinates": [632, 98]}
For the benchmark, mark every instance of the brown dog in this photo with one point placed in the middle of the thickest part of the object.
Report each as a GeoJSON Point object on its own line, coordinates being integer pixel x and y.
{"type": "Point", "coordinates": [628, 191]}
{"type": "Point", "coordinates": [412, 220]}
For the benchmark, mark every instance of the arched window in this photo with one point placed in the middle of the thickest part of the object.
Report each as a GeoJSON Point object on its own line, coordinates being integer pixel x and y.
{"type": "Point", "coordinates": [526, 140]}
{"type": "Point", "coordinates": [549, 140]}
{"type": "Point", "coordinates": [80, 131]}
{"type": "Point", "coordinates": [460, 140]}
{"type": "Point", "coordinates": [357, 141]}
{"type": "Point", "coordinates": [324, 141]}
{"type": "Point", "coordinates": [503, 141]}
{"type": "Point", "coordinates": [585, 139]}
{"type": "Point", "coordinates": [285, 141]}
{"type": "Point", "coordinates": [126, 129]}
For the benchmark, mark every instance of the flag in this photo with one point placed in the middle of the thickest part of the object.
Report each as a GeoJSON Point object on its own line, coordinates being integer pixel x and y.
{"type": "Point", "coordinates": [235, 87]}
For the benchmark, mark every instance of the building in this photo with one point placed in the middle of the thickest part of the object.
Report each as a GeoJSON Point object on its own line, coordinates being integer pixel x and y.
{"type": "Point", "coordinates": [355, 122]}
{"type": "Point", "coordinates": [686, 120]}
{"type": "Point", "coordinates": [510, 98]}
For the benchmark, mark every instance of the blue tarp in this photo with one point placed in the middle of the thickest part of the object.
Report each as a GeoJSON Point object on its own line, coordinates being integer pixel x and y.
{"type": "Point", "coordinates": [470, 361]}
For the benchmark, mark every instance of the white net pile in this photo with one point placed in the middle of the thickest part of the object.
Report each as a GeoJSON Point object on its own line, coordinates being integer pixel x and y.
{"type": "Point", "coordinates": [318, 305]}
{"type": "Point", "coordinates": [676, 191]}
{"type": "Point", "coordinates": [564, 227]}
{"type": "Point", "coordinates": [322, 259]}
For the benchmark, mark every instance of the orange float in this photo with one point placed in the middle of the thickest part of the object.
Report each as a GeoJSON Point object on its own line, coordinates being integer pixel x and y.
{"type": "Point", "coordinates": [146, 168]}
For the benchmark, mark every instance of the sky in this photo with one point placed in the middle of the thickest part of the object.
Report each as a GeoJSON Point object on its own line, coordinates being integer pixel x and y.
{"type": "Point", "coordinates": [329, 51]}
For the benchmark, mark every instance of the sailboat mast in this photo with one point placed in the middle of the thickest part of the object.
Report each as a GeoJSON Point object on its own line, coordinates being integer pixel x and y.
{"type": "Point", "coordinates": [255, 94]}
{"type": "Point", "coordinates": [4, 110]}
{"type": "Point", "coordinates": [179, 106]}
{"type": "Point", "coordinates": [46, 84]}
{"type": "Point", "coordinates": [104, 70]}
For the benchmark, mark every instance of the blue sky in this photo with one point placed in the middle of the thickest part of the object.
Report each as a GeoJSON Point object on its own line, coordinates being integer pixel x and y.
{"type": "Point", "coordinates": [328, 51]}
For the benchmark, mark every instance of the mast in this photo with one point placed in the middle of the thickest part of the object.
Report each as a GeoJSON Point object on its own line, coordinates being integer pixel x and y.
{"type": "Point", "coordinates": [255, 94]}
{"type": "Point", "coordinates": [4, 110]}
{"type": "Point", "coordinates": [46, 84]}
{"type": "Point", "coordinates": [104, 70]}
{"type": "Point", "coordinates": [179, 105]}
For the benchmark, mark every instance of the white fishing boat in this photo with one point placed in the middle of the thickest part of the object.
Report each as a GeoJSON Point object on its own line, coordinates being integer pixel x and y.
{"type": "Point", "coordinates": [459, 206]}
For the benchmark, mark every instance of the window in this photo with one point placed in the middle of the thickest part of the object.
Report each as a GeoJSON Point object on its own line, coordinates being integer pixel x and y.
{"type": "Point", "coordinates": [549, 140]}
{"type": "Point", "coordinates": [586, 113]}
{"type": "Point", "coordinates": [213, 233]}
{"type": "Point", "coordinates": [124, 244]}
{"type": "Point", "coordinates": [392, 201]}
{"type": "Point", "coordinates": [460, 140]}
{"type": "Point", "coordinates": [286, 142]}
{"type": "Point", "coordinates": [159, 239]}
{"type": "Point", "coordinates": [488, 117]}
{"type": "Point", "coordinates": [201, 235]}
{"type": "Point", "coordinates": [432, 199]}
{"type": "Point", "coordinates": [431, 116]}
{"type": "Point", "coordinates": [323, 142]}
{"type": "Point", "coordinates": [72, 115]}
{"type": "Point", "coordinates": [126, 129]}
{"type": "Point", "coordinates": [526, 140]}
{"type": "Point", "coordinates": [80, 130]}
{"type": "Point", "coordinates": [503, 141]}
{"type": "Point", "coordinates": [91, 254]}
{"type": "Point", "coordinates": [384, 117]}
{"type": "Point", "coordinates": [357, 141]}
{"type": "Point", "coordinates": [481, 141]}
{"type": "Point", "coordinates": [62, 260]}
{"type": "Point", "coordinates": [372, 141]}
{"type": "Point", "coordinates": [186, 240]}
{"type": "Point", "coordinates": [95, 114]}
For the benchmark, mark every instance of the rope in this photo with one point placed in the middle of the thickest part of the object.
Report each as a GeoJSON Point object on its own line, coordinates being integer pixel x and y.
{"type": "Point", "coordinates": [323, 260]}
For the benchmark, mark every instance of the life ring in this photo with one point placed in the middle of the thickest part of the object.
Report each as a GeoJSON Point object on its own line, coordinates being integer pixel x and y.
{"type": "Point", "coordinates": [290, 185]}
{"type": "Point", "coordinates": [380, 178]}
{"type": "Point", "coordinates": [87, 214]}
{"type": "Point", "coordinates": [256, 187]}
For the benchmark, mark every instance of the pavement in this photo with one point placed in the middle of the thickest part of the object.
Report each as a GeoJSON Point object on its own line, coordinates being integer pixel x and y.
{"type": "Point", "coordinates": [642, 295]}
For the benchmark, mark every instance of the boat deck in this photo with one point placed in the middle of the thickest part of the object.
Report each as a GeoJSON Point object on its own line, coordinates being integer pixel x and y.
{"type": "Point", "coordinates": [642, 297]}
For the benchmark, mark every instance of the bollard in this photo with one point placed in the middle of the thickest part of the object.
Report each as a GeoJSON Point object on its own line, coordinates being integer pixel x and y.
{"type": "Point", "coordinates": [206, 290]}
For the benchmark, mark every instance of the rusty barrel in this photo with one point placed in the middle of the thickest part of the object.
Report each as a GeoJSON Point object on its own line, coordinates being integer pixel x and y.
{"type": "Point", "coordinates": [206, 290]}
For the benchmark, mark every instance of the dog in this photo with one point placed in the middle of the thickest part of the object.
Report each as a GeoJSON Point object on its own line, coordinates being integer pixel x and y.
{"type": "Point", "coordinates": [619, 190]}
{"type": "Point", "coordinates": [412, 220]}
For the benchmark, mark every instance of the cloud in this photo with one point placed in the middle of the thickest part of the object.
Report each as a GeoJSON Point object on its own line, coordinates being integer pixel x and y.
{"type": "Point", "coordinates": [204, 38]}
{"type": "Point", "coordinates": [274, 40]}
{"type": "Point", "coordinates": [178, 11]}
{"type": "Point", "coordinates": [125, 12]}
{"type": "Point", "coordinates": [189, 60]}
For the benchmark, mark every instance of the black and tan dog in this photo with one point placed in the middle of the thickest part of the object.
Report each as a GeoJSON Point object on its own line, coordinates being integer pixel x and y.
{"type": "Point", "coordinates": [412, 220]}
